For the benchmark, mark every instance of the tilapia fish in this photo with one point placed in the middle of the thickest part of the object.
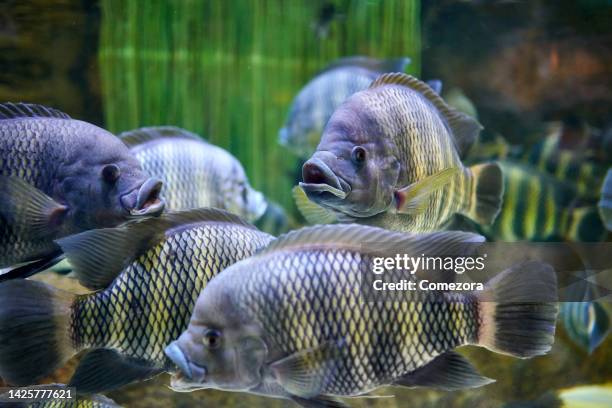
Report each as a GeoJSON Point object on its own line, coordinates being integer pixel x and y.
{"type": "Point", "coordinates": [315, 103]}
{"type": "Point", "coordinates": [147, 274]}
{"type": "Point", "coordinates": [60, 176]}
{"type": "Point", "coordinates": [538, 207]}
{"type": "Point", "coordinates": [291, 321]}
{"type": "Point", "coordinates": [390, 156]}
{"type": "Point", "coordinates": [195, 173]}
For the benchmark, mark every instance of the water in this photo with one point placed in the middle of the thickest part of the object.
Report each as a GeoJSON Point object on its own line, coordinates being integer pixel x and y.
{"type": "Point", "coordinates": [534, 73]}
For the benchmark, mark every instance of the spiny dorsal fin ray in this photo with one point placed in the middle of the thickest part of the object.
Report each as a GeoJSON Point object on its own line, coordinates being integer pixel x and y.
{"type": "Point", "coordinates": [358, 236]}
{"type": "Point", "coordinates": [372, 64]}
{"type": "Point", "coordinates": [465, 128]}
{"type": "Point", "coordinates": [10, 110]}
{"type": "Point", "coordinates": [98, 256]}
{"type": "Point", "coordinates": [146, 134]}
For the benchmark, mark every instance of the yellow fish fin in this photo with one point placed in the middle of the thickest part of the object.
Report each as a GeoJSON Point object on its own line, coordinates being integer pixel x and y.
{"type": "Point", "coordinates": [306, 372]}
{"type": "Point", "coordinates": [312, 212]}
{"type": "Point", "coordinates": [413, 199]}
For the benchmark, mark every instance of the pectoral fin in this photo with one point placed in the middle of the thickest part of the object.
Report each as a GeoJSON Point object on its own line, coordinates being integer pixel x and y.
{"type": "Point", "coordinates": [305, 373]}
{"type": "Point", "coordinates": [413, 199]}
{"type": "Point", "coordinates": [449, 371]}
{"type": "Point", "coordinates": [312, 212]}
{"type": "Point", "coordinates": [28, 210]}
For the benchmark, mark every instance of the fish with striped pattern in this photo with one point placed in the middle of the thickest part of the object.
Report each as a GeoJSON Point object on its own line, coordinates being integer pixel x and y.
{"type": "Point", "coordinates": [291, 321]}
{"type": "Point", "coordinates": [538, 207]}
{"type": "Point", "coordinates": [196, 174]}
{"type": "Point", "coordinates": [390, 156]}
{"type": "Point", "coordinates": [315, 103]}
{"type": "Point", "coordinates": [605, 201]}
{"type": "Point", "coordinates": [147, 276]}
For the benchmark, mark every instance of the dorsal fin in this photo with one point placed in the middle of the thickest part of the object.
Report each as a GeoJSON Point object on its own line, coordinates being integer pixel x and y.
{"type": "Point", "coordinates": [98, 256]}
{"type": "Point", "coordinates": [464, 128]}
{"type": "Point", "coordinates": [146, 134]}
{"type": "Point", "coordinates": [10, 110]}
{"type": "Point", "coordinates": [372, 64]}
{"type": "Point", "coordinates": [356, 235]}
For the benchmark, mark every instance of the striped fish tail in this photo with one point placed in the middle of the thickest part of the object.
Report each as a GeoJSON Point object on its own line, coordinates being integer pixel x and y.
{"type": "Point", "coordinates": [35, 320]}
{"type": "Point", "coordinates": [486, 193]}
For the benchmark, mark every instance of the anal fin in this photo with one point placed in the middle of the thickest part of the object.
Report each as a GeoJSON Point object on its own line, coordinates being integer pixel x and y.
{"type": "Point", "coordinates": [104, 370]}
{"type": "Point", "coordinates": [449, 371]}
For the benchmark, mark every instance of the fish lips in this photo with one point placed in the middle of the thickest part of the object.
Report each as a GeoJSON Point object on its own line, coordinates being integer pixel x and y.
{"type": "Point", "coordinates": [189, 375]}
{"type": "Point", "coordinates": [146, 200]}
{"type": "Point", "coordinates": [321, 184]}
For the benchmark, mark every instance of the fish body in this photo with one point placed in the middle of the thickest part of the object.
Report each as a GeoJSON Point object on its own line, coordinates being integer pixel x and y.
{"type": "Point", "coordinates": [395, 149]}
{"type": "Point", "coordinates": [294, 316]}
{"type": "Point", "coordinates": [577, 165]}
{"type": "Point", "coordinates": [317, 100]}
{"type": "Point", "coordinates": [60, 176]}
{"type": "Point", "coordinates": [147, 276]}
{"type": "Point", "coordinates": [586, 323]}
{"type": "Point", "coordinates": [538, 207]}
{"type": "Point", "coordinates": [196, 174]}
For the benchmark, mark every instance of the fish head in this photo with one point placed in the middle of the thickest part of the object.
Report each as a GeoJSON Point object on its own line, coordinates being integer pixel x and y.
{"type": "Point", "coordinates": [108, 188]}
{"type": "Point", "coordinates": [218, 350]}
{"type": "Point", "coordinates": [355, 168]}
{"type": "Point", "coordinates": [238, 195]}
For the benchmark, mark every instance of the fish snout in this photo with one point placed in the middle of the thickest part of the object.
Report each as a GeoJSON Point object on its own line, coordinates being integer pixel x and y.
{"type": "Point", "coordinates": [188, 371]}
{"type": "Point", "coordinates": [319, 180]}
{"type": "Point", "coordinates": [148, 200]}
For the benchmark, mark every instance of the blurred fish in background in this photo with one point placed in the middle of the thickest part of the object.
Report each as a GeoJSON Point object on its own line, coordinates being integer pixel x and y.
{"type": "Point", "coordinates": [538, 207]}
{"type": "Point", "coordinates": [319, 98]}
{"type": "Point", "coordinates": [586, 323]}
{"type": "Point", "coordinates": [605, 202]}
{"type": "Point", "coordinates": [275, 220]}
{"type": "Point", "coordinates": [195, 173]}
{"type": "Point", "coordinates": [581, 396]}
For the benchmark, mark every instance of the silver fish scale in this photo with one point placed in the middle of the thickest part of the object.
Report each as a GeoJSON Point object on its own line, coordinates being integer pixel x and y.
{"type": "Point", "coordinates": [150, 303]}
{"type": "Point", "coordinates": [425, 146]}
{"type": "Point", "coordinates": [196, 174]}
{"type": "Point", "coordinates": [30, 149]}
{"type": "Point", "coordinates": [306, 299]}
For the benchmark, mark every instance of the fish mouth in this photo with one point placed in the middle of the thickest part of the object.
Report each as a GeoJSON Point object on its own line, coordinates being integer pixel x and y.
{"type": "Point", "coordinates": [147, 200]}
{"type": "Point", "coordinates": [321, 183]}
{"type": "Point", "coordinates": [188, 375]}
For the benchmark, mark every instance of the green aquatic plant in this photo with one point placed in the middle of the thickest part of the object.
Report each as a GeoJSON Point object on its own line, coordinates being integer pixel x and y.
{"type": "Point", "coordinates": [228, 70]}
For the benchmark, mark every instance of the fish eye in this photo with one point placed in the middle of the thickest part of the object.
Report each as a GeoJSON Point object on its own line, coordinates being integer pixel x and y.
{"type": "Point", "coordinates": [358, 155]}
{"type": "Point", "coordinates": [212, 338]}
{"type": "Point", "coordinates": [111, 173]}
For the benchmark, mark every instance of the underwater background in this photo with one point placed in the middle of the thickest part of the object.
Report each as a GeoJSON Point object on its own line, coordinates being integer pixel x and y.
{"type": "Point", "coordinates": [229, 70]}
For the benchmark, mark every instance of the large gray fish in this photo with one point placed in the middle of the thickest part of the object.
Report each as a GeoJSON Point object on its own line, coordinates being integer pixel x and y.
{"type": "Point", "coordinates": [319, 98]}
{"type": "Point", "coordinates": [147, 276]}
{"type": "Point", "coordinates": [195, 173]}
{"type": "Point", "coordinates": [391, 156]}
{"type": "Point", "coordinates": [292, 322]}
{"type": "Point", "coordinates": [60, 176]}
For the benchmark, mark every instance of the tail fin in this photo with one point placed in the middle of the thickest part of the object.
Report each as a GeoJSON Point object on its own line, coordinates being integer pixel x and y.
{"type": "Point", "coordinates": [34, 330]}
{"type": "Point", "coordinates": [518, 310]}
{"type": "Point", "coordinates": [585, 225]}
{"type": "Point", "coordinates": [487, 193]}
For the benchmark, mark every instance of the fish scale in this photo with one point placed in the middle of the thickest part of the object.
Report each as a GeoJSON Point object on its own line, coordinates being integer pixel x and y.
{"type": "Point", "coordinates": [150, 303]}
{"type": "Point", "coordinates": [401, 336]}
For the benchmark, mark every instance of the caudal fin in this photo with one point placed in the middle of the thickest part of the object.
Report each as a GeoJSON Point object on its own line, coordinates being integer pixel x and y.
{"type": "Point", "coordinates": [518, 310]}
{"type": "Point", "coordinates": [487, 193]}
{"type": "Point", "coordinates": [34, 330]}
